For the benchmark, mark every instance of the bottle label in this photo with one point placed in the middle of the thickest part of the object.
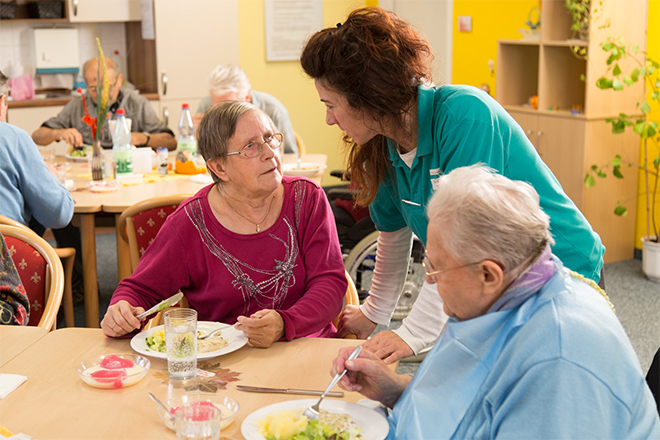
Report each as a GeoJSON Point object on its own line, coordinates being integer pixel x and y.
{"type": "Point", "coordinates": [189, 145]}
{"type": "Point", "coordinates": [124, 161]}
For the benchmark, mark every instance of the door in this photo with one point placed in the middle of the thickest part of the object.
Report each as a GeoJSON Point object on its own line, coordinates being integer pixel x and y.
{"type": "Point", "coordinates": [192, 37]}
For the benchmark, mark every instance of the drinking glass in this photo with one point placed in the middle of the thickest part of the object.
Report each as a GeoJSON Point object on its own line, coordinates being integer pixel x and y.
{"type": "Point", "coordinates": [199, 422]}
{"type": "Point", "coordinates": [181, 343]}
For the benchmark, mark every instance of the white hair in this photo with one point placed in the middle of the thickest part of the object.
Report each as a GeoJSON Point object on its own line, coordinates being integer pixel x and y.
{"type": "Point", "coordinates": [230, 78]}
{"type": "Point", "coordinates": [4, 85]}
{"type": "Point", "coordinates": [486, 216]}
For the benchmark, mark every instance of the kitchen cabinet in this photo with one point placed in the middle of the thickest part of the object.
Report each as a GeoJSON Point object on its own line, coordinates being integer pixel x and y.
{"type": "Point", "coordinates": [192, 38]}
{"type": "Point", "coordinates": [89, 11]}
{"type": "Point", "coordinates": [570, 142]}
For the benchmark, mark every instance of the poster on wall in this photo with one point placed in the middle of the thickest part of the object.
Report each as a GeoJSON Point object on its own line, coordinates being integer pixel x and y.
{"type": "Point", "coordinates": [289, 23]}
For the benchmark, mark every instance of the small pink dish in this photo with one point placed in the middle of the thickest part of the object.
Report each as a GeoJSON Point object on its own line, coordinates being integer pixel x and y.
{"type": "Point", "coordinates": [113, 371]}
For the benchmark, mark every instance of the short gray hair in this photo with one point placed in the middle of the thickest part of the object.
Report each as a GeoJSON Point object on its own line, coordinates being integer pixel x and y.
{"type": "Point", "coordinates": [218, 126]}
{"type": "Point", "coordinates": [230, 78]}
{"type": "Point", "coordinates": [4, 85]}
{"type": "Point", "coordinates": [486, 216]}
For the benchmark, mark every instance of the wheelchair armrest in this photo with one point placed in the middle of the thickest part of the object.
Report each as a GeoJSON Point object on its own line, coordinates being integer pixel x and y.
{"type": "Point", "coordinates": [340, 193]}
{"type": "Point", "coordinates": [341, 174]}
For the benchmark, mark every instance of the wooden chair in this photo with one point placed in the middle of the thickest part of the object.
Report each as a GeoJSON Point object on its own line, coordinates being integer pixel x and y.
{"type": "Point", "coordinates": [41, 272]}
{"type": "Point", "coordinates": [67, 256]}
{"type": "Point", "coordinates": [139, 224]}
{"type": "Point", "coordinates": [302, 149]}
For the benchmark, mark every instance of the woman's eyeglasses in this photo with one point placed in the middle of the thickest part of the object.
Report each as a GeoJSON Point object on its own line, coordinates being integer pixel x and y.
{"type": "Point", "coordinates": [426, 264]}
{"type": "Point", "coordinates": [254, 149]}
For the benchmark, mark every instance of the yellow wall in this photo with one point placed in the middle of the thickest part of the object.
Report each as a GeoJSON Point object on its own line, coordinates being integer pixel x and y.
{"type": "Point", "coordinates": [491, 20]}
{"type": "Point", "coordinates": [287, 81]}
{"type": "Point", "coordinates": [653, 51]}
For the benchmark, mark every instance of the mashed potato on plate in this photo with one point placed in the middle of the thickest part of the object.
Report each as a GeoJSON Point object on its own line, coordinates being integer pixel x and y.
{"type": "Point", "coordinates": [292, 425]}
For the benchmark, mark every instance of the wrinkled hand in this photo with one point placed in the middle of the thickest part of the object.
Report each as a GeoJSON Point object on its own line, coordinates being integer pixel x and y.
{"type": "Point", "coordinates": [369, 376]}
{"type": "Point", "coordinates": [71, 136]}
{"type": "Point", "coordinates": [353, 321]}
{"type": "Point", "coordinates": [262, 328]}
{"type": "Point", "coordinates": [388, 346]}
{"type": "Point", "coordinates": [120, 319]}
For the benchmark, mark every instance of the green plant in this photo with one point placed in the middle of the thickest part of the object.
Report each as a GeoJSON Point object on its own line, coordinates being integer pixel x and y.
{"type": "Point", "coordinates": [641, 123]}
{"type": "Point", "coordinates": [580, 11]}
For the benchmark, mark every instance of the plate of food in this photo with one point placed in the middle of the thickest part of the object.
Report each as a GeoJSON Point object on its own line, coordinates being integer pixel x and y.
{"type": "Point", "coordinates": [306, 169]}
{"type": "Point", "coordinates": [151, 342]}
{"type": "Point", "coordinates": [353, 421]}
{"type": "Point", "coordinates": [79, 154]}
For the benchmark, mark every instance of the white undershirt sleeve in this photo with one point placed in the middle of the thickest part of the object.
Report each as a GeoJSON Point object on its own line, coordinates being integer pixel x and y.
{"type": "Point", "coordinates": [392, 258]}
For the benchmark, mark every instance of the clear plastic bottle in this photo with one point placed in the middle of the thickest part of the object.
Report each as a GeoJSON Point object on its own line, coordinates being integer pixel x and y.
{"type": "Point", "coordinates": [186, 140]}
{"type": "Point", "coordinates": [122, 151]}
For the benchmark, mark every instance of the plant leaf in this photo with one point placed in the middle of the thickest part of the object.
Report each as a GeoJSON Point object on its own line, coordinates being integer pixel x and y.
{"type": "Point", "coordinates": [629, 82]}
{"type": "Point", "coordinates": [589, 181]}
{"type": "Point", "coordinates": [617, 84]}
{"type": "Point", "coordinates": [656, 163]}
{"type": "Point", "coordinates": [604, 83]}
{"type": "Point", "coordinates": [616, 162]}
{"type": "Point", "coordinates": [621, 211]}
{"type": "Point", "coordinates": [655, 95]}
{"type": "Point", "coordinates": [616, 172]}
{"type": "Point", "coordinates": [617, 70]}
{"type": "Point", "coordinates": [601, 173]}
{"type": "Point", "coordinates": [634, 75]}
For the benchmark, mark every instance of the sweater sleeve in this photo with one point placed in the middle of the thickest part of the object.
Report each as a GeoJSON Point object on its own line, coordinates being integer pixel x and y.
{"type": "Point", "coordinates": [325, 281]}
{"type": "Point", "coordinates": [44, 196]}
{"type": "Point", "coordinates": [161, 272]}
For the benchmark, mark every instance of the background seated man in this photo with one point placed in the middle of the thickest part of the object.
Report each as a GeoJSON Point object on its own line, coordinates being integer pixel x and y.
{"type": "Point", "coordinates": [531, 350]}
{"type": "Point", "coordinates": [68, 126]}
{"type": "Point", "coordinates": [230, 83]}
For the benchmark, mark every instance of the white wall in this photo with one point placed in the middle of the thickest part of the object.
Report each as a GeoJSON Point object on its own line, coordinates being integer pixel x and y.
{"type": "Point", "coordinates": [17, 55]}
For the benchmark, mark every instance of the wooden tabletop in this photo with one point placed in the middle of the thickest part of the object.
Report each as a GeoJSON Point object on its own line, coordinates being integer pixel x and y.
{"type": "Point", "coordinates": [54, 403]}
{"type": "Point", "coordinates": [14, 339]}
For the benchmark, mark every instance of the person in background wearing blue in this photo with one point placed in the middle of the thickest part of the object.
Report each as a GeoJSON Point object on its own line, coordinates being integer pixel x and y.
{"type": "Point", "coordinates": [532, 349]}
{"type": "Point", "coordinates": [373, 73]}
{"type": "Point", "coordinates": [231, 83]}
{"type": "Point", "coordinates": [28, 189]}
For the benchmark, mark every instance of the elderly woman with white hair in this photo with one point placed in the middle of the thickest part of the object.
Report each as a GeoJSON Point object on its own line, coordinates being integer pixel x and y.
{"type": "Point", "coordinates": [531, 349]}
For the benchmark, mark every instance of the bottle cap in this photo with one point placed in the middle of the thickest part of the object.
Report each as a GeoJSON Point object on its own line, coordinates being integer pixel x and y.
{"type": "Point", "coordinates": [121, 111]}
{"type": "Point", "coordinates": [184, 106]}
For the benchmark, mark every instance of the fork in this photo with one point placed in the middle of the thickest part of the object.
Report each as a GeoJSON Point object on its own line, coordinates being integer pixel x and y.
{"type": "Point", "coordinates": [313, 411]}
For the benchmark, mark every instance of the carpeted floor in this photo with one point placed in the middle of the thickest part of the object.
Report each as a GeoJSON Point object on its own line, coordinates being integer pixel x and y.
{"type": "Point", "coordinates": [636, 299]}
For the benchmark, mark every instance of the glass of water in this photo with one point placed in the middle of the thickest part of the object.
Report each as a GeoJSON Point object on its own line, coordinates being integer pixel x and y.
{"type": "Point", "coordinates": [198, 422]}
{"type": "Point", "coordinates": [181, 343]}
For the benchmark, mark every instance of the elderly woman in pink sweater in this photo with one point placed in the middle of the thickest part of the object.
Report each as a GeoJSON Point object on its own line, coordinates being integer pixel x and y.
{"type": "Point", "coordinates": [254, 248]}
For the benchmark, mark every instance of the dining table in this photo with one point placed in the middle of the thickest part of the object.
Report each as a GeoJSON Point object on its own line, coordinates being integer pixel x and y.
{"type": "Point", "coordinates": [14, 339]}
{"type": "Point", "coordinates": [54, 403]}
{"type": "Point", "coordinates": [88, 204]}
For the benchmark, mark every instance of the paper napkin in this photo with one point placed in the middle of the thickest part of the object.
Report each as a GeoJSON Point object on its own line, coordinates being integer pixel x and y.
{"type": "Point", "coordinates": [9, 382]}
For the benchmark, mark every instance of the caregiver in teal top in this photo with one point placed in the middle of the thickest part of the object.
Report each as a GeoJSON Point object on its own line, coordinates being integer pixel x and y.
{"type": "Point", "coordinates": [373, 73]}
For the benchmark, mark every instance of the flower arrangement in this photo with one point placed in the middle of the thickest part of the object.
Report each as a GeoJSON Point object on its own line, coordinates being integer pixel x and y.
{"type": "Point", "coordinates": [103, 92]}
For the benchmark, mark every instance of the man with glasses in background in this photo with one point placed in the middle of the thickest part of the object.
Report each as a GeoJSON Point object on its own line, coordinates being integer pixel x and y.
{"type": "Point", "coordinates": [146, 129]}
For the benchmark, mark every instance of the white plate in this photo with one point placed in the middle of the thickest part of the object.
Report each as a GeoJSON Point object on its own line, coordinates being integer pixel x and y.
{"type": "Point", "coordinates": [373, 424]}
{"type": "Point", "coordinates": [307, 169]}
{"type": "Point", "coordinates": [237, 339]}
{"type": "Point", "coordinates": [77, 158]}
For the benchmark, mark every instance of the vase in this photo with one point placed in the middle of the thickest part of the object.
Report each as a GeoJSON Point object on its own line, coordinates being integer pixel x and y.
{"type": "Point", "coordinates": [97, 160]}
{"type": "Point", "coordinates": [651, 259]}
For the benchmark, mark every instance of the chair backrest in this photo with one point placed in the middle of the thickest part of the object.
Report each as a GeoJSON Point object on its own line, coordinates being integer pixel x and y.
{"type": "Point", "coordinates": [351, 298]}
{"type": "Point", "coordinates": [302, 149]}
{"type": "Point", "coordinates": [11, 222]}
{"type": "Point", "coordinates": [41, 272]}
{"type": "Point", "coordinates": [139, 224]}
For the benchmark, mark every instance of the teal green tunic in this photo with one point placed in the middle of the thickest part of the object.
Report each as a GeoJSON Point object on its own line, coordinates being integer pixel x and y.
{"type": "Point", "coordinates": [460, 126]}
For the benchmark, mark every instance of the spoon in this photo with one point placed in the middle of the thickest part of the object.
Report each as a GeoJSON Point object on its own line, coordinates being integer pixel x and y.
{"type": "Point", "coordinates": [214, 332]}
{"type": "Point", "coordinates": [163, 407]}
{"type": "Point", "coordinates": [313, 411]}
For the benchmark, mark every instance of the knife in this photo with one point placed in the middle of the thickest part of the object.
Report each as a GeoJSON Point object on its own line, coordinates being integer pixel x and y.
{"type": "Point", "coordinates": [288, 391]}
{"type": "Point", "coordinates": [169, 302]}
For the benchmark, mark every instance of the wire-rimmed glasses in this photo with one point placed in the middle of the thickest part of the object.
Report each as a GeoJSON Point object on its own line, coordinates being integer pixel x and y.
{"type": "Point", "coordinates": [254, 149]}
{"type": "Point", "coordinates": [431, 273]}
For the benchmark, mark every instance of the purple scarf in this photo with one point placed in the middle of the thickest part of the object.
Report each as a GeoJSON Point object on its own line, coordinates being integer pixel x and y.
{"type": "Point", "coordinates": [528, 284]}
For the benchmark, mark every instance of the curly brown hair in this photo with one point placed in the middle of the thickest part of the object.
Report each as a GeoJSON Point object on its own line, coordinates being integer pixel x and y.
{"type": "Point", "coordinates": [376, 61]}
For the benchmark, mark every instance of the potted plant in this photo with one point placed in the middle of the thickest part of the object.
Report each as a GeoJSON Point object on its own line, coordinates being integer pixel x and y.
{"type": "Point", "coordinates": [647, 129]}
{"type": "Point", "coordinates": [580, 11]}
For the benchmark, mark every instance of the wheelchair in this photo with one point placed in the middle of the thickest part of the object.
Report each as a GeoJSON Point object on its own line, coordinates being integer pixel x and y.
{"type": "Point", "coordinates": [358, 239]}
